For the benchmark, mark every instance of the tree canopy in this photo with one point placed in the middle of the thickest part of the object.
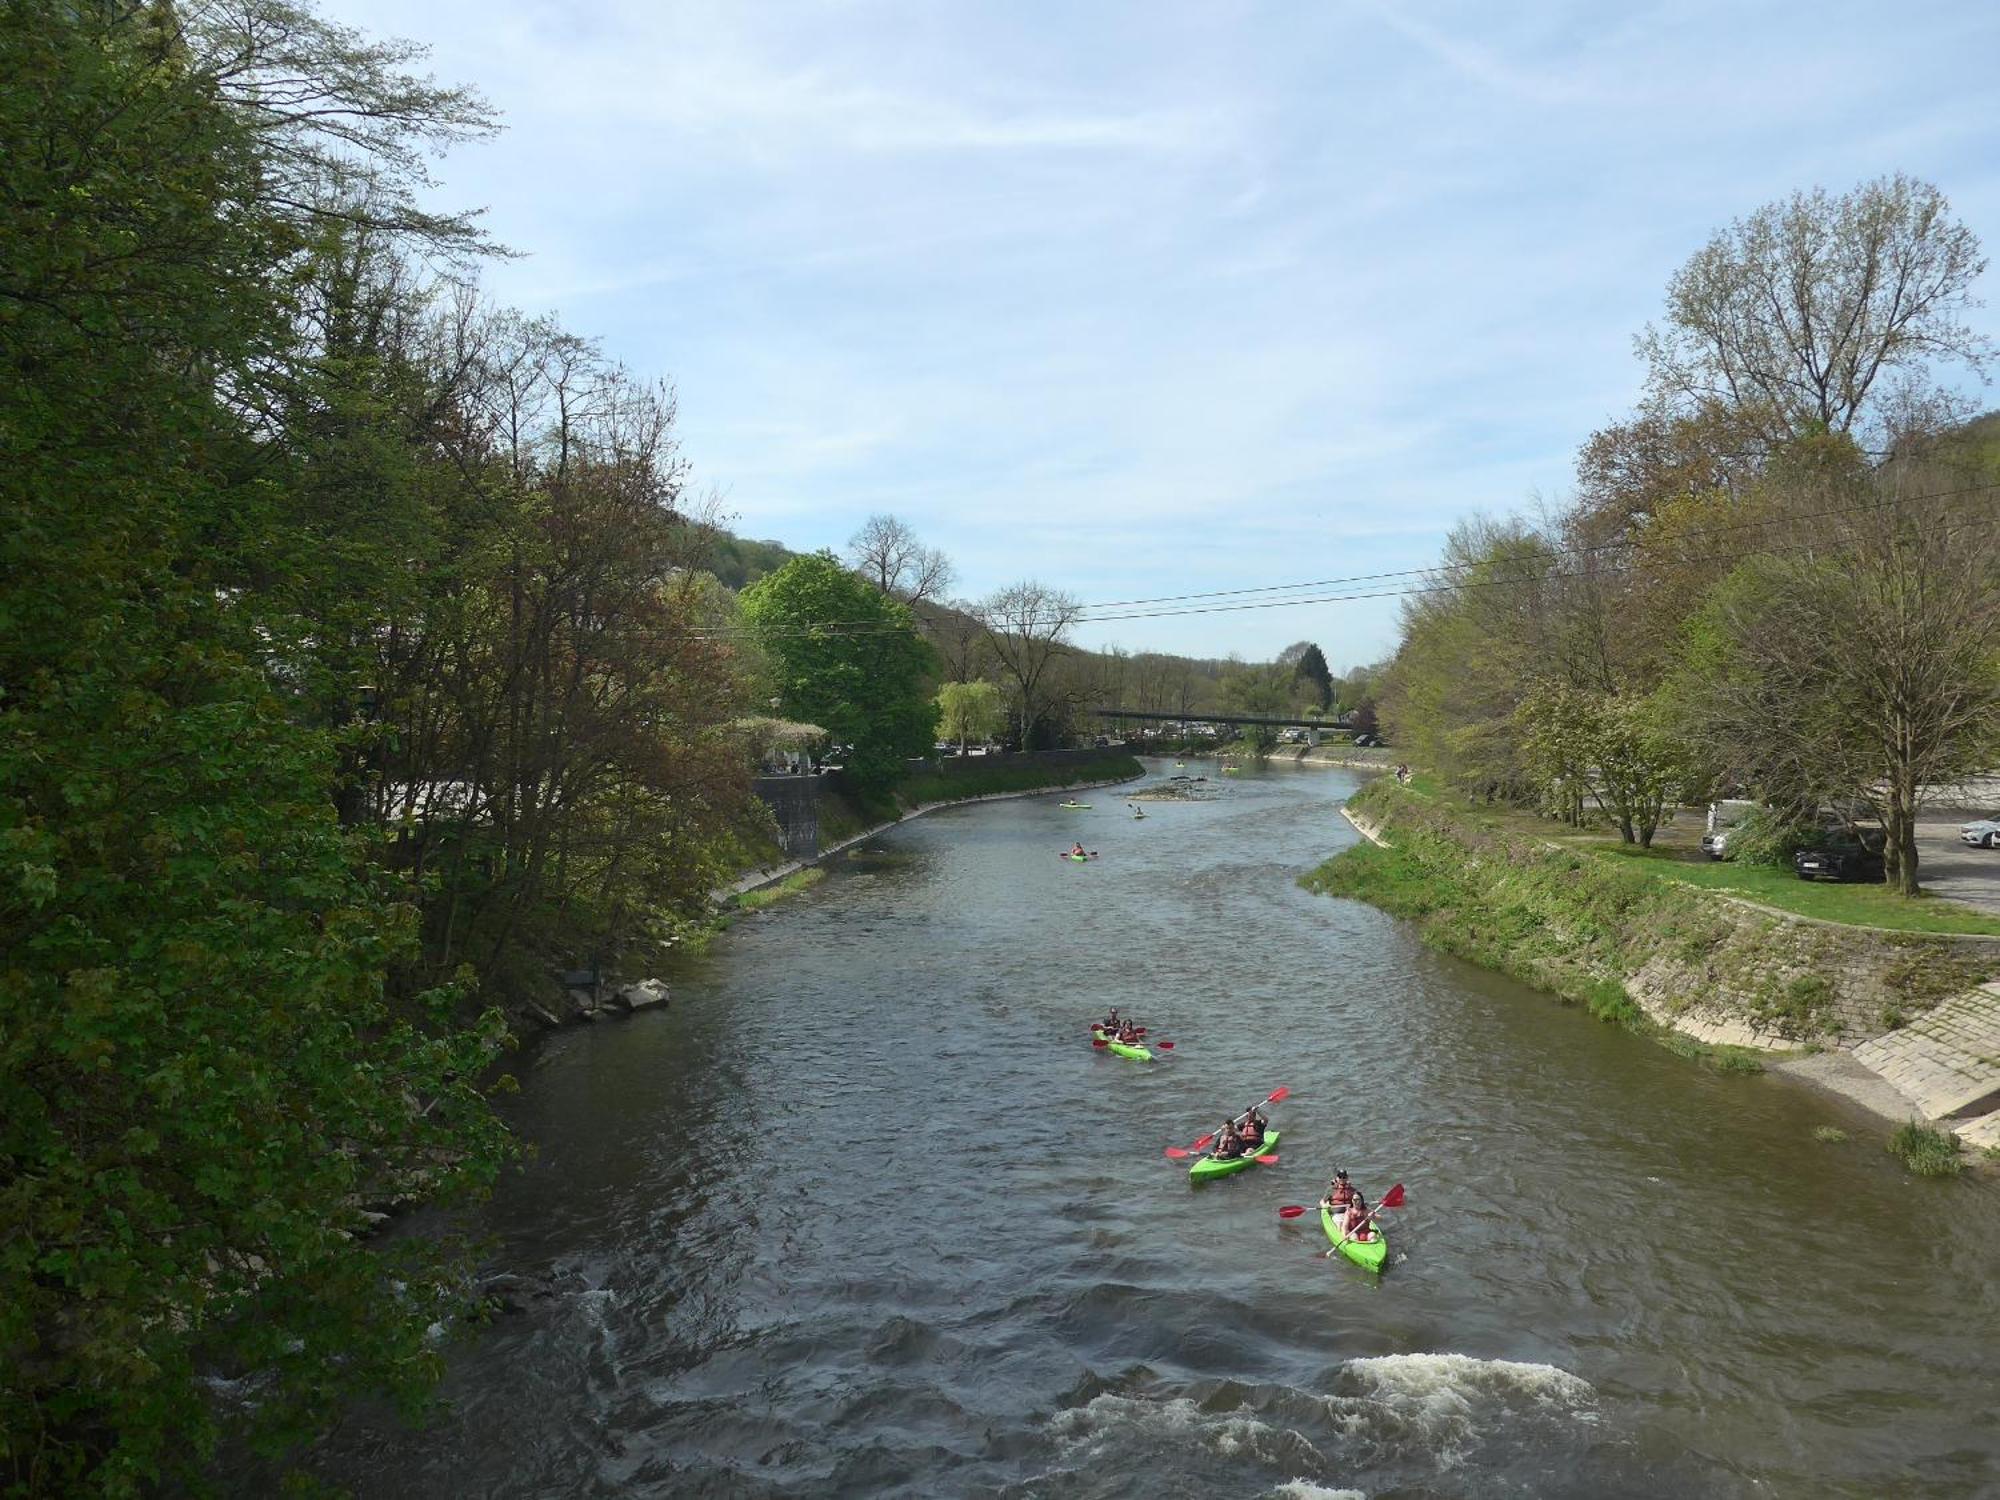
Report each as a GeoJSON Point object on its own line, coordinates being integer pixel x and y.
{"type": "Point", "coordinates": [970, 711]}
{"type": "Point", "coordinates": [846, 656]}
{"type": "Point", "coordinates": [355, 675]}
{"type": "Point", "coordinates": [1742, 592]}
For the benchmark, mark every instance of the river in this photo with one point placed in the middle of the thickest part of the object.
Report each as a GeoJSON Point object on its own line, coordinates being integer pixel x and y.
{"type": "Point", "coordinates": [864, 1214]}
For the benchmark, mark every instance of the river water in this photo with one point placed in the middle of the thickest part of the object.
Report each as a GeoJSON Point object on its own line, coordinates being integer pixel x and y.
{"type": "Point", "coordinates": [864, 1214]}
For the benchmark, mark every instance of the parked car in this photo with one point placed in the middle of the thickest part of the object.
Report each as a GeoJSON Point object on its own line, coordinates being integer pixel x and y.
{"type": "Point", "coordinates": [1722, 817]}
{"type": "Point", "coordinates": [1842, 855]}
{"type": "Point", "coordinates": [1982, 833]}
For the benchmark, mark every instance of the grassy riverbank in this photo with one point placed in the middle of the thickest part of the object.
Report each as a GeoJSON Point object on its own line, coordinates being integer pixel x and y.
{"type": "Point", "coordinates": [1635, 940]}
{"type": "Point", "coordinates": [770, 895]}
{"type": "Point", "coordinates": [1678, 859]}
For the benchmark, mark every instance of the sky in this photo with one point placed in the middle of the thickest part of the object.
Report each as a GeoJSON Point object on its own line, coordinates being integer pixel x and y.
{"type": "Point", "coordinates": [1148, 299]}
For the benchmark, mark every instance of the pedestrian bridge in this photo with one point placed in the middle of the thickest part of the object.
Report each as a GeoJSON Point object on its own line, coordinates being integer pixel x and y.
{"type": "Point", "coordinates": [1325, 726]}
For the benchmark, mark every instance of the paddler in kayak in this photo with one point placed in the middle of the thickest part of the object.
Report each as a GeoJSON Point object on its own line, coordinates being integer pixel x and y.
{"type": "Point", "coordinates": [1111, 1022]}
{"type": "Point", "coordinates": [1129, 1034]}
{"type": "Point", "coordinates": [1339, 1193]}
{"type": "Point", "coordinates": [1356, 1225]}
{"type": "Point", "coordinates": [1228, 1143]}
{"type": "Point", "coordinates": [1076, 852]}
{"type": "Point", "coordinates": [1255, 1126]}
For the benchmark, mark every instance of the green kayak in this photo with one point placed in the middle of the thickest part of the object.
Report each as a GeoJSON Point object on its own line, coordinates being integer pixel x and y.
{"type": "Point", "coordinates": [1367, 1254]}
{"type": "Point", "coordinates": [1210, 1166]}
{"type": "Point", "coordinates": [1137, 1054]}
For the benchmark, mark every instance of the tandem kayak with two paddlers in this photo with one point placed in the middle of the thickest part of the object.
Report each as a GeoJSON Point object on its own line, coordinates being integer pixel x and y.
{"type": "Point", "coordinates": [1210, 1167]}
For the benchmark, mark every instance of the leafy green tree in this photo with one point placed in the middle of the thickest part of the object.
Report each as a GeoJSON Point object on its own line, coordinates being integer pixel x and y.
{"type": "Point", "coordinates": [847, 657]}
{"type": "Point", "coordinates": [970, 711]}
{"type": "Point", "coordinates": [1558, 746]}
{"type": "Point", "coordinates": [1611, 747]}
{"type": "Point", "coordinates": [1471, 646]}
{"type": "Point", "coordinates": [1865, 670]}
{"type": "Point", "coordinates": [204, 1075]}
{"type": "Point", "coordinates": [1308, 663]}
{"type": "Point", "coordinates": [1639, 767]}
{"type": "Point", "coordinates": [1263, 690]}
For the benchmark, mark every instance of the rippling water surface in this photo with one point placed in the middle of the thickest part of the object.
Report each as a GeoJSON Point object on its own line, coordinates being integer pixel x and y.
{"type": "Point", "coordinates": [864, 1214]}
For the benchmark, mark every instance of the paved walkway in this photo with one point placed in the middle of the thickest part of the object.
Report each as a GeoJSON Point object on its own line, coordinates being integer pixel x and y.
{"type": "Point", "coordinates": [1946, 1060]}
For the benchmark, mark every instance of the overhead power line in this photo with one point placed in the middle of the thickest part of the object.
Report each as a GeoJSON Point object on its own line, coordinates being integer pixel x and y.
{"type": "Point", "coordinates": [1188, 604]}
{"type": "Point", "coordinates": [1512, 580]}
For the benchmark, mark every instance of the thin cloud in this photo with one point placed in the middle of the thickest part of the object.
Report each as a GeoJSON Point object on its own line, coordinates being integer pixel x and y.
{"type": "Point", "coordinates": [1478, 64]}
{"type": "Point", "coordinates": [1146, 298]}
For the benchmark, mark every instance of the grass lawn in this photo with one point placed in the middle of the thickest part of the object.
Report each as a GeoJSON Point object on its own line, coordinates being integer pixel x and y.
{"type": "Point", "coordinates": [1869, 905]}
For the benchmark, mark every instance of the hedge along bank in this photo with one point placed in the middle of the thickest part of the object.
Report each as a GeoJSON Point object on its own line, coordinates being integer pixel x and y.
{"type": "Point", "coordinates": [1637, 948]}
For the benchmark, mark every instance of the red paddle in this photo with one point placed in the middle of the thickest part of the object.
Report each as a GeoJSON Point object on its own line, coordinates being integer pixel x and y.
{"type": "Point", "coordinates": [1177, 1153]}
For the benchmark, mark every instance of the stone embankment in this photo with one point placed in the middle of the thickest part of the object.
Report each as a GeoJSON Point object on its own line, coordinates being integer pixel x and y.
{"type": "Point", "coordinates": [774, 873]}
{"type": "Point", "coordinates": [1905, 1023]}
{"type": "Point", "coordinates": [1946, 1062]}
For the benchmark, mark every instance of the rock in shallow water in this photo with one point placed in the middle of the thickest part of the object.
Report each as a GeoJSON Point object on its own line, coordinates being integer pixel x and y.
{"type": "Point", "coordinates": [641, 995]}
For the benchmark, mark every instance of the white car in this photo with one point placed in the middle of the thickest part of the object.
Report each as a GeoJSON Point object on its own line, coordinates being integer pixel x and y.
{"type": "Point", "coordinates": [1984, 834]}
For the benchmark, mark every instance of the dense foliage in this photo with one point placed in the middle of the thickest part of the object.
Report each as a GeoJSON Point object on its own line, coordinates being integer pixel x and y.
{"type": "Point", "coordinates": [350, 676]}
{"type": "Point", "coordinates": [970, 711]}
{"type": "Point", "coordinates": [846, 656]}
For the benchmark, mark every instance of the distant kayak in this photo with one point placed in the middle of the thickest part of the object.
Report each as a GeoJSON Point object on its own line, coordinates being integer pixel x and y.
{"type": "Point", "coordinates": [1075, 806]}
{"type": "Point", "coordinates": [1367, 1254]}
{"type": "Point", "coordinates": [1080, 858]}
{"type": "Point", "coordinates": [1210, 1167]}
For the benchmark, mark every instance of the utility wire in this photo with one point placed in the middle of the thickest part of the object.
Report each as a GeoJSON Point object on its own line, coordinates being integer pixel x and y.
{"type": "Point", "coordinates": [863, 629]}
{"type": "Point", "coordinates": [1023, 623]}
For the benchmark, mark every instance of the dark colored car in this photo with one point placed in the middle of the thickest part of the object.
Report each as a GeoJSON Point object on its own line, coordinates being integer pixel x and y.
{"type": "Point", "coordinates": [1842, 855]}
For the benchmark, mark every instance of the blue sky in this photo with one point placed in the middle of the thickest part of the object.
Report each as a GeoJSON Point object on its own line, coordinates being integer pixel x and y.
{"type": "Point", "coordinates": [1142, 299]}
